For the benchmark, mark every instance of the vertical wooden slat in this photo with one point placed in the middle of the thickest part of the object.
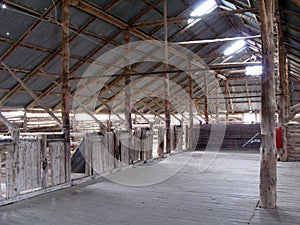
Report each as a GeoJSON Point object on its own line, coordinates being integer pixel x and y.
{"type": "Point", "coordinates": [187, 136]}
{"type": "Point", "coordinates": [62, 168]}
{"type": "Point", "coordinates": [87, 155]}
{"type": "Point", "coordinates": [268, 177]}
{"type": "Point", "coordinates": [22, 167]}
{"type": "Point", "coordinates": [8, 174]}
{"type": "Point", "coordinates": [137, 144]}
{"type": "Point", "coordinates": [39, 163]}
{"type": "Point", "coordinates": [125, 148]}
{"type": "Point", "coordinates": [161, 142]}
{"type": "Point", "coordinates": [12, 171]}
{"type": "Point", "coordinates": [179, 137]}
{"type": "Point", "coordinates": [110, 149]}
{"type": "Point", "coordinates": [52, 165]}
{"type": "Point", "coordinates": [149, 144]}
{"type": "Point", "coordinates": [105, 153]}
{"type": "Point", "coordinates": [100, 146]}
{"type": "Point", "coordinates": [117, 149]}
{"type": "Point", "coordinates": [66, 95]}
{"type": "Point", "coordinates": [45, 165]}
{"type": "Point", "coordinates": [172, 138]}
{"type": "Point", "coordinates": [57, 162]}
{"type": "Point", "coordinates": [33, 167]}
{"type": "Point", "coordinates": [142, 137]}
{"type": "Point", "coordinates": [96, 148]}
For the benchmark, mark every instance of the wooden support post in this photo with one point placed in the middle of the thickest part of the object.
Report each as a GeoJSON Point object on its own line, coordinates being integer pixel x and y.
{"type": "Point", "coordinates": [66, 95]}
{"type": "Point", "coordinates": [217, 102]}
{"type": "Point", "coordinates": [190, 126]}
{"type": "Point", "coordinates": [268, 177]}
{"type": "Point", "coordinates": [167, 81]}
{"type": "Point", "coordinates": [127, 109]}
{"type": "Point", "coordinates": [205, 99]}
{"type": "Point", "coordinates": [283, 102]}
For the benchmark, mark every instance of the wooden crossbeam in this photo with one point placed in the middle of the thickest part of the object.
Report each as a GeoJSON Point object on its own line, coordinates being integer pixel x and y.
{"type": "Point", "coordinates": [216, 40]}
{"type": "Point", "coordinates": [185, 19]}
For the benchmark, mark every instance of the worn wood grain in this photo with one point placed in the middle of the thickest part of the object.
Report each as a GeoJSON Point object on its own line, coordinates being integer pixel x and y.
{"type": "Point", "coordinates": [226, 193]}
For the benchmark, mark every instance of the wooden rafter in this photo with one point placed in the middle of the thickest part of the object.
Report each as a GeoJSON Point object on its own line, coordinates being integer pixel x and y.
{"type": "Point", "coordinates": [181, 19]}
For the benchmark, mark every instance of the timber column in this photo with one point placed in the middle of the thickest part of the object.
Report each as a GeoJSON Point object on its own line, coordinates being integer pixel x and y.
{"type": "Point", "coordinates": [268, 176]}
{"type": "Point", "coordinates": [66, 96]}
{"type": "Point", "coordinates": [167, 82]}
{"type": "Point", "coordinates": [283, 103]}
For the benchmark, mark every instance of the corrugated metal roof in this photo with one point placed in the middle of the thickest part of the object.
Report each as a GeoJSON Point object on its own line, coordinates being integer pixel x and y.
{"type": "Point", "coordinates": [98, 41]}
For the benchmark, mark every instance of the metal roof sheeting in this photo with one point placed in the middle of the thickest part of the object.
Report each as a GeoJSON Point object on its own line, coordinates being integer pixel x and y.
{"type": "Point", "coordinates": [95, 42]}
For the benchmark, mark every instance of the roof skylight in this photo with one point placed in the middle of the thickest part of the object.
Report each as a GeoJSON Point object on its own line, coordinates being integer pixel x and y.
{"type": "Point", "coordinates": [235, 47]}
{"type": "Point", "coordinates": [205, 8]}
{"type": "Point", "coordinates": [254, 70]}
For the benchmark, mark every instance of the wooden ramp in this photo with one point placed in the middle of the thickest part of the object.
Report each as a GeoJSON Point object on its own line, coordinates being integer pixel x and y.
{"type": "Point", "coordinates": [224, 193]}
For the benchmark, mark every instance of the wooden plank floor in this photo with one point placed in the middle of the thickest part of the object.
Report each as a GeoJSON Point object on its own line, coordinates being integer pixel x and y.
{"type": "Point", "coordinates": [225, 193]}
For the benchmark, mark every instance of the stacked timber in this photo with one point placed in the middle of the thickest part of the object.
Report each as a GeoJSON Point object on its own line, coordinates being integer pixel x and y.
{"type": "Point", "coordinates": [293, 142]}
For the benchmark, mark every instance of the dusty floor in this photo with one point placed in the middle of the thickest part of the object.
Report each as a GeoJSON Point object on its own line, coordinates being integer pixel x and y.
{"type": "Point", "coordinates": [224, 193]}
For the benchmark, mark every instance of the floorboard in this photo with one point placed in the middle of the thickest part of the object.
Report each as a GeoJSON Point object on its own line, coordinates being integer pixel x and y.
{"type": "Point", "coordinates": [225, 193]}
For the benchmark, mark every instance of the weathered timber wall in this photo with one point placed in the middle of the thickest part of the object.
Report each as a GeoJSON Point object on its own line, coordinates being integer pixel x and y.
{"type": "Point", "coordinates": [30, 165]}
{"type": "Point", "coordinates": [237, 136]}
{"type": "Point", "coordinates": [293, 142]}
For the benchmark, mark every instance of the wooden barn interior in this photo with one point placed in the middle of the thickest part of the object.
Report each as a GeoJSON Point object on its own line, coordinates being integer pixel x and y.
{"type": "Point", "coordinates": [150, 112]}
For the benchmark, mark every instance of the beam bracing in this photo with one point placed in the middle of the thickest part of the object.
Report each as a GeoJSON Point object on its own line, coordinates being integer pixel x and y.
{"type": "Point", "coordinates": [167, 84]}
{"type": "Point", "coordinates": [268, 176]}
{"type": "Point", "coordinates": [32, 94]}
{"type": "Point", "coordinates": [66, 92]}
{"type": "Point", "coordinates": [283, 102]}
{"type": "Point", "coordinates": [11, 127]}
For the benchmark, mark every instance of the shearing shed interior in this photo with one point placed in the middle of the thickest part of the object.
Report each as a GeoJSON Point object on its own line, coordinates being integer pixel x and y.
{"type": "Point", "coordinates": [150, 112]}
